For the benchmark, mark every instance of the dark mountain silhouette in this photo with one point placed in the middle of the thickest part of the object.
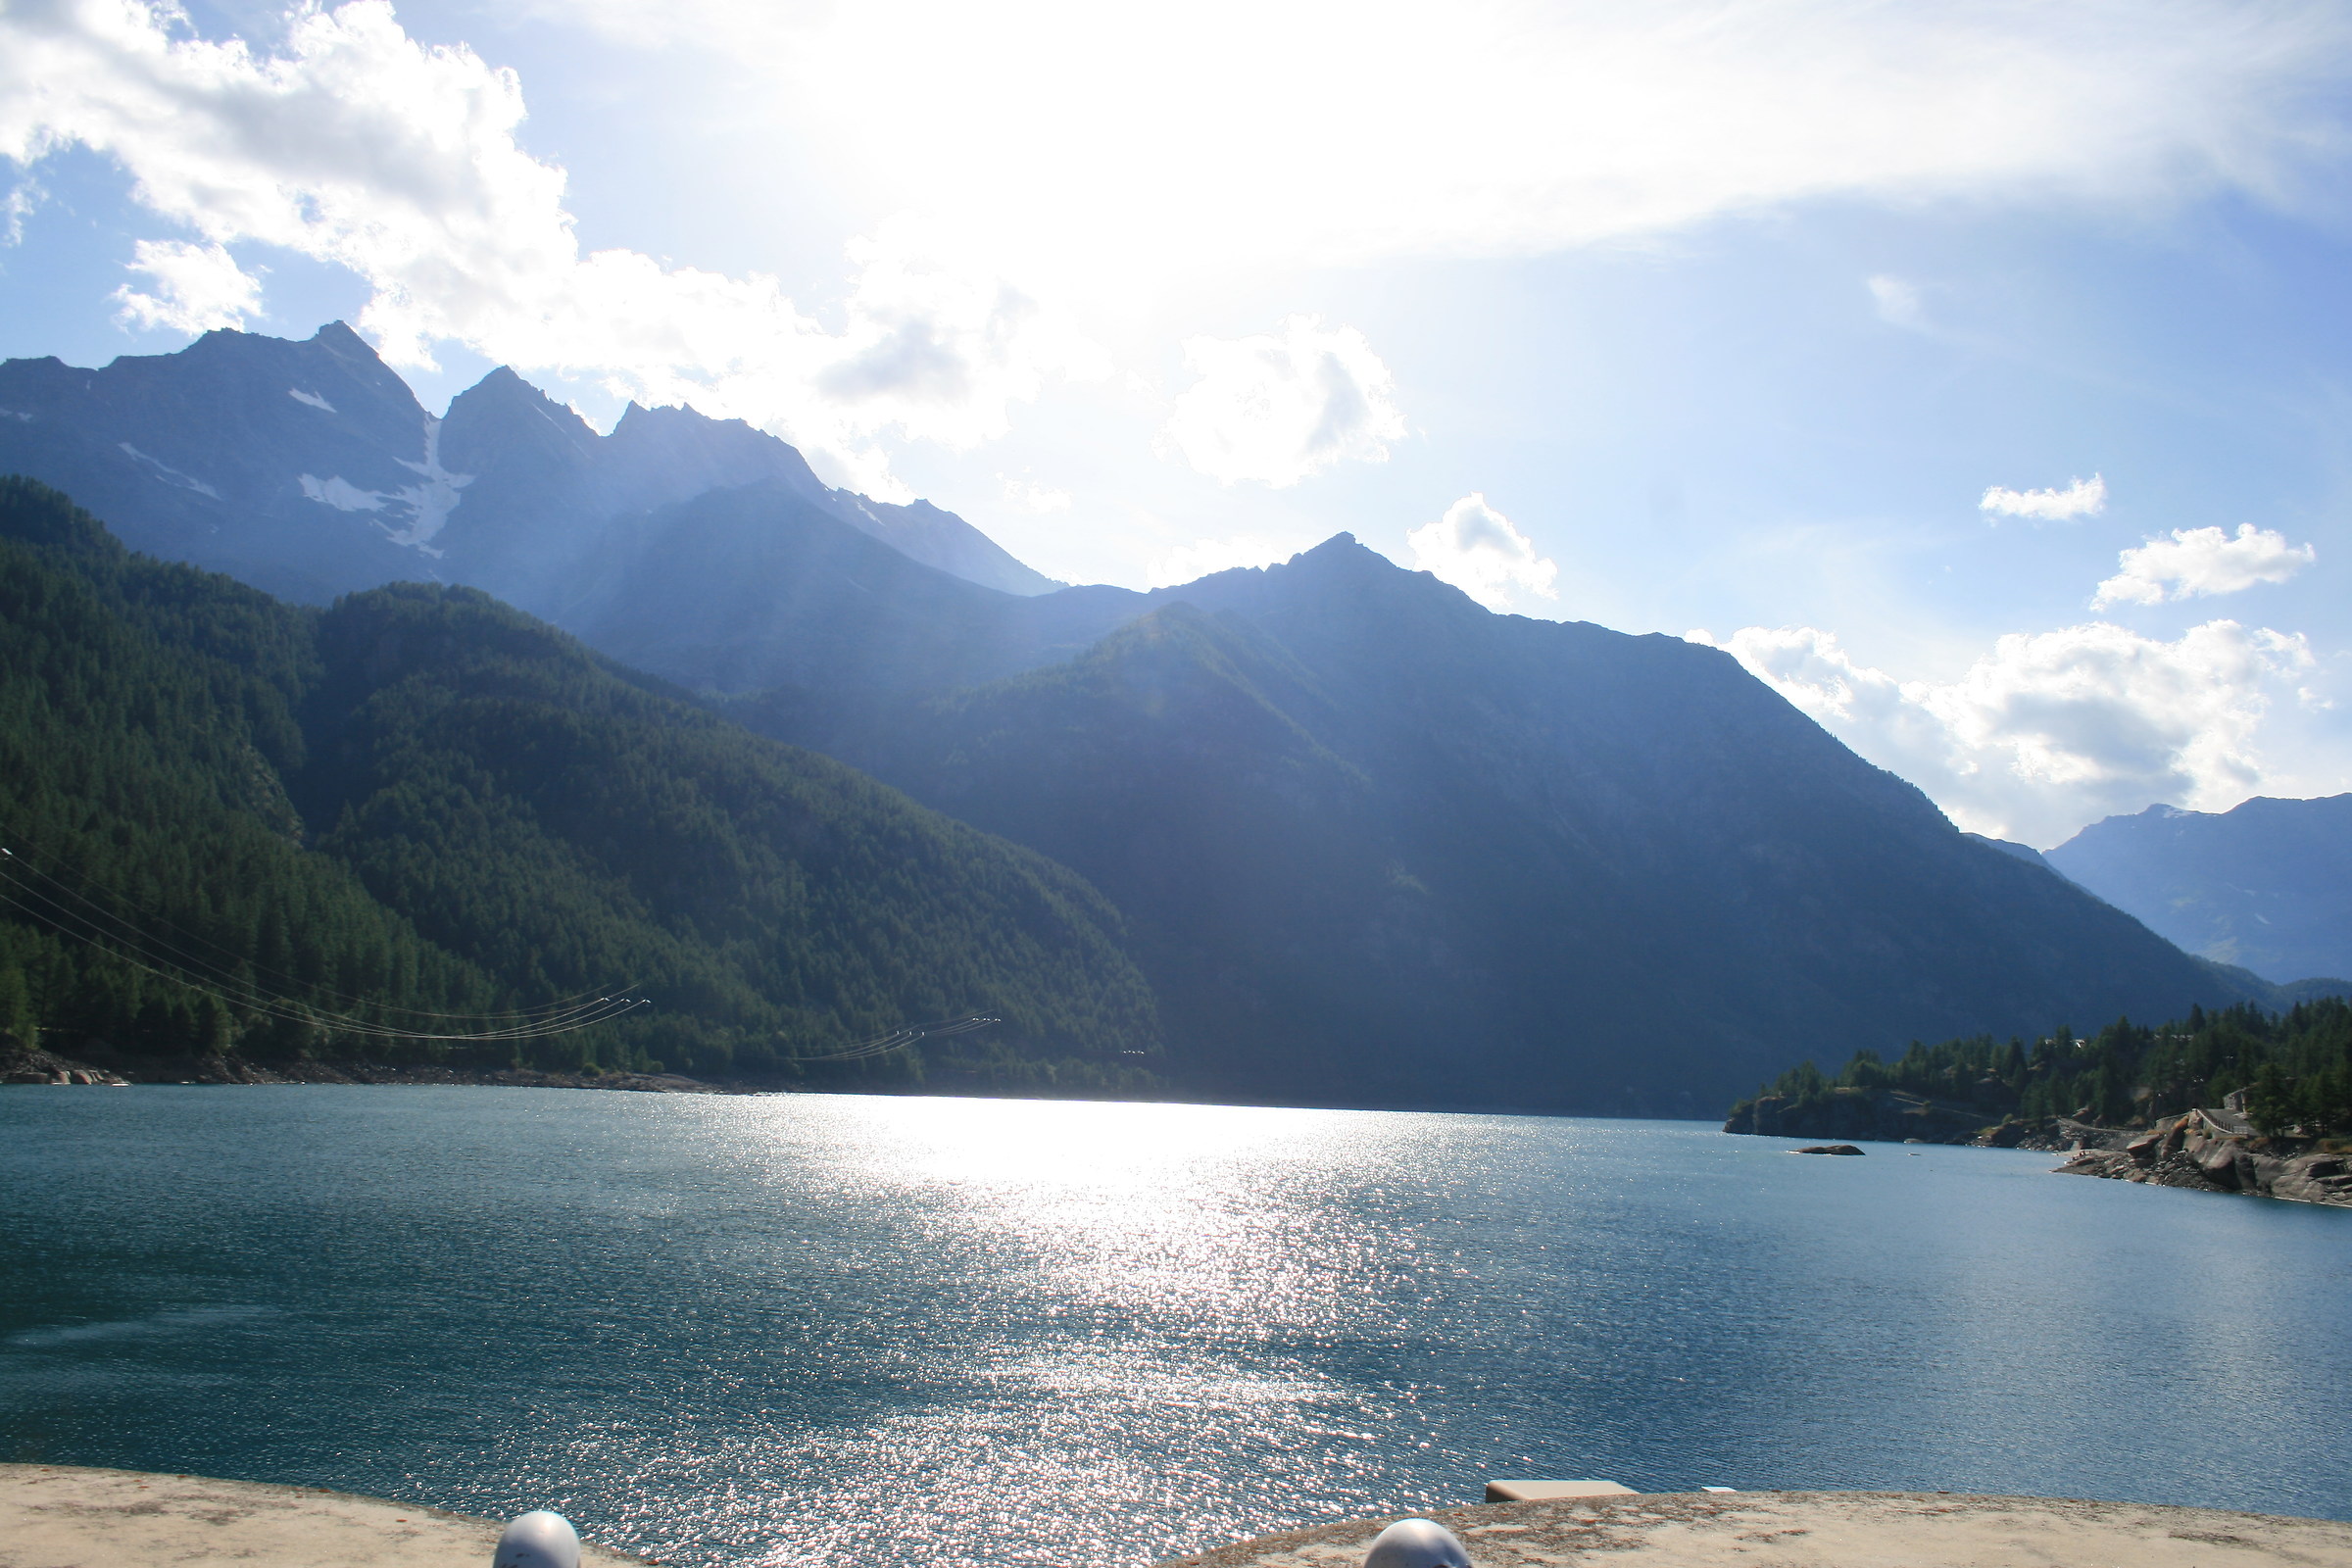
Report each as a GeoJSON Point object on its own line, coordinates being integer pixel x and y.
{"type": "Point", "coordinates": [2266, 886]}
{"type": "Point", "coordinates": [1379, 844]}
{"type": "Point", "coordinates": [309, 469]}
{"type": "Point", "coordinates": [753, 587]}
{"type": "Point", "coordinates": [2024, 852]}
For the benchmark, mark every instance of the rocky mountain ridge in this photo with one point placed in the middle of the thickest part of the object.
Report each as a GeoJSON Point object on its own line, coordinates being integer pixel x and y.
{"type": "Point", "coordinates": [2266, 886]}
{"type": "Point", "coordinates": [309, 469]}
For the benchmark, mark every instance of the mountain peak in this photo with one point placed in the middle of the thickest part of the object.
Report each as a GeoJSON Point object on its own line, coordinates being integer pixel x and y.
{"type": "Point", "coordinates": [1344, 558]}
{"type": "Point", "coordinates": [340, 341]}
{"type": "Point", "coordinates": [501, 388]}
{"type": "Point", "coordinates": [1340, 548]}
{"type": "Point", "coordinates": [669, 416]}
{"type": "Point", "coordinates": [492, 421]}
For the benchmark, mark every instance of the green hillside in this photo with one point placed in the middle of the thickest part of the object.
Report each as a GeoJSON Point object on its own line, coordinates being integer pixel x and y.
{"type": "Point", "coordinates": [420, 802]}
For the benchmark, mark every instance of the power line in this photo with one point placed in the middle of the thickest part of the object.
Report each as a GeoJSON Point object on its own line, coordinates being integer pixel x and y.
{"type": "Point", "coordinates": [899, 1039]}
{"type": "Point", "coordinates": [11, 860]}
{"type": "Point", "coordinates": [554, 1019]}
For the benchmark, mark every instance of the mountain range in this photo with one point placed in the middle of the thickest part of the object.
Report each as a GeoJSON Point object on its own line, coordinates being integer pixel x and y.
{"type": "Point", "coordinates": [1363, 841]}
{"type": "Point", "coordinates": [2266, 886]}
{"type": "Point", "coordinates": [309, 469]}
{"type": "Point", "coordinates": [1366, 832]}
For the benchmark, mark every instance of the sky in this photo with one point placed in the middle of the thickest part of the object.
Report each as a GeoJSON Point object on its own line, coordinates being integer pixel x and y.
{"type": "Point", "coordinates": [1977, 373]}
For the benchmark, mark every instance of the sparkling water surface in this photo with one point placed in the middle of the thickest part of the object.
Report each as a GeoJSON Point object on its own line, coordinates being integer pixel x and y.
{"type": "Point", "coordinates": [818, 1330]}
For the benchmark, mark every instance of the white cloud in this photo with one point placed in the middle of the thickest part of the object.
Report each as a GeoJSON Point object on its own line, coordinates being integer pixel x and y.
{"type": "Point", "coordinates": [1030, 496]}
{"type": "Point", "coordinates": [1279, 408]}
{"type": "Point", "coordinates": [359, 146]}
{"type": "Point", "coordinates": [940, 350]}
{"type": "Point", "coordinates": [2196, 561]}
{"type": "Point", "coordinates": [1253, 131]}
{"type": "Point", "coordinates": [198, 287]}
{"type": "Point", "coordinates": [1191, 563]}
{"type": "Point", "coordinates": [2054, 729]}
{"type": "Point", "coordinates": [1897, 300]}
{"type": "Point", "coordinates": [1481, 551]}
{"type": "Point", "coordinates": [2084, 498]}
{"type": "Point", "coordinates": [23, 197]}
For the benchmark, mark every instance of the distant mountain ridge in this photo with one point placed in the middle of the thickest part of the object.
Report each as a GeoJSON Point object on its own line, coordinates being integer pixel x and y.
{"type": "Point", "coordinates": [1380, 845]}
{"type": "Point", "coordinates": [2266, 886]}
{"type": "Point", "coordinates": [309, 469]}
{"type": "Point", "coordinates": [739, 589]}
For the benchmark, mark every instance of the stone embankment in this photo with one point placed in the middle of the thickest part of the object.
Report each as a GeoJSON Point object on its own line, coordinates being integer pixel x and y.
{"type": "Point", "coordinates": [1827, 1529]}
{"type": "Point", "coordinates": [61, 1516]}
{"type": "Point", "coordinates": [19, 1066]}
{"type": "Point", "coordinates": [2214, 1152]}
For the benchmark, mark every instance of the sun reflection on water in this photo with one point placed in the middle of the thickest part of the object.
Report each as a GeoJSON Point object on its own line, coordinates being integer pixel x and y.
{"type": "Point", "coordinates": [1107, 1270]}
{"type": "Point", "coordinates": [1202, 1210]}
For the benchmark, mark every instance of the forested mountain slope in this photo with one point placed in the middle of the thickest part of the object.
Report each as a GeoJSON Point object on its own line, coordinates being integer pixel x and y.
{"type": "Point", "coordinates": [426, 799]}
{"type": "Point", "coordinates": [1377, 844]}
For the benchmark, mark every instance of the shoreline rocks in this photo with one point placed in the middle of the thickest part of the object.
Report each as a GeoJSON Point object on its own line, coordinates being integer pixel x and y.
{"type": "Point", "coordinates": [1892, 1116]}
{"type": "Point", "coordinates": [44, 1067]}
{"type": "Point", "coordinates": [2209, 1150]}
{"type": "Point", "coordinates": [2201, 1151]}
{"type": "Point", "coordinates": [32, 1067]}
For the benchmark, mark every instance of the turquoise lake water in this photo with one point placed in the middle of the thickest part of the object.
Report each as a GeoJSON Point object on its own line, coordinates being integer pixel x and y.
{"type": "Point", "coordinates": [815, 1329]}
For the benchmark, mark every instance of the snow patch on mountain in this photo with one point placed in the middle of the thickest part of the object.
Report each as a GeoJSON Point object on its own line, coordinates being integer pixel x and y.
{"type": "Point", "coordinates": [436, 498]}
{"type": "Point", "coordinates": [342, 495]}
{"type": "Point", "coordinates": [311, 398]}
{"type": "Point", "coordinates": [428, 505]}
{"type": "Point", "coordinates": [168, 473]}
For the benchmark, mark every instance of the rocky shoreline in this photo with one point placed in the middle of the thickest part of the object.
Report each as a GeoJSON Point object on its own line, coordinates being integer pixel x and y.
{"type": "Point", "coordinates": [20, 1066]}
{"type": "Point", "coordinates": [2205, 1151]}
{"type": "Point", "coordinates": [1891, 1116]}
{"type": "Point", "coordinates": [2205, 1154]}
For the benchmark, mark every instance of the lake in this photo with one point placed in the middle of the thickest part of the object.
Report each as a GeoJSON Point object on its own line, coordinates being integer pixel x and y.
{"type": "Point", "coordinates": [837, 1330]}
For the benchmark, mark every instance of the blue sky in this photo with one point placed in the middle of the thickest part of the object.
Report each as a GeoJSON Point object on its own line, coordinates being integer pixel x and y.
{"type": "Point", "coordinates": [1695, 319]}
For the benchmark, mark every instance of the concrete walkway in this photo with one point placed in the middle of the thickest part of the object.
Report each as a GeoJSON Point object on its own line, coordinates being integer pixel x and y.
{"type": "Point", "coordinates": [1829, 1530]}
{"type": "Point", "coordinates": [57, 1516]}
